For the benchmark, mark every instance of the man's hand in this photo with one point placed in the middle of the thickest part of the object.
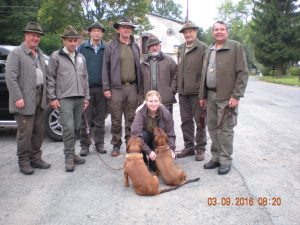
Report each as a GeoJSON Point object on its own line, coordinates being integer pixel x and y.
{"type": "Point", "coordinates": [233, 102]}
{"type": "Point", "coordinates": [107, 94]}
{"type": "Point", "coordinates": [55, 104]}
{"type": "Point", "coordinates": [85, 104]}
{"type": "Point", "coordinates": [20, 104]}
{"type": "Point", "coordinates": [203, 102]}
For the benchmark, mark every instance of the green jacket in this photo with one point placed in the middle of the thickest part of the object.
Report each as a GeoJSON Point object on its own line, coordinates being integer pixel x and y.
{"type": "Point", "coordinates": [190, 67]}
{"type": "Point", "coordinates": [231, 71]}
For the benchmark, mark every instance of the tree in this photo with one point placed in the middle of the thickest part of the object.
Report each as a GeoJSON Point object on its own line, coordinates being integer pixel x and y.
{"type": "Point", "coordinates": [167, 8]}
{"type": "Point", "coordinates": [14, 15]}
{"type": "Point", "coordinates": [276, 33]}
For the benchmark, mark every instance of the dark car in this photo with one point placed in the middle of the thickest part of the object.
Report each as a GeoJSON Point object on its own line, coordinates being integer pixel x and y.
{"type": "Point", "coordinates": [52, 127]}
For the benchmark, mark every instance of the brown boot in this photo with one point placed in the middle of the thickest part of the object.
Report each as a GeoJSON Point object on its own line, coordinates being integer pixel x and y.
{"type": "Point", "coordinates": [100, 149]}
{"type": "Point", "coordinates": [200, 155]}
{"type": "Point", "coordinates": [186, 152]}
{"type": "Point", "coordinates": [69, 165]}
{"type": "Point", "coordinates": [26, 169]}
{"type": "Point", "coordinates": [78, 160]}
{"type": "Point", "coordinates": [40, 164]}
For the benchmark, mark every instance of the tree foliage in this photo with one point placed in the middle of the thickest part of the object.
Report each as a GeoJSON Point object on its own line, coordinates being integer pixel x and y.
{"type": "Point", "coordinates": [276, 33]}
{"type": "Point", "coordinates": [14, 15]}
{"type": "Point", "coordinates": [167, 8]}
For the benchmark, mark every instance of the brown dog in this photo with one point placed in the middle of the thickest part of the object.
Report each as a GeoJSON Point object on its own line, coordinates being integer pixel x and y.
{"type": "Point", "coordinates": [166, 167]}
{"type": "Point", "coordinates": [143, 182]}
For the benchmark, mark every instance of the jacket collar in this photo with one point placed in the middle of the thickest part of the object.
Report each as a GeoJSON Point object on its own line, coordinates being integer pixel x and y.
{"type": "Point", "coordinates": [225, 46]}
{"type": "Point", "coordinates": [87, 44]}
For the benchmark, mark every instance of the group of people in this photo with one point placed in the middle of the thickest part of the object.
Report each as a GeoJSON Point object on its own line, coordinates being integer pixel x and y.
{"type": "Point", "coordinates": [83, 82]}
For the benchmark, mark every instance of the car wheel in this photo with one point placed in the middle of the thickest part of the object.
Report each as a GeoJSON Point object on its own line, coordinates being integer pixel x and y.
{"type": "Point", "coordinates": [52, 125]}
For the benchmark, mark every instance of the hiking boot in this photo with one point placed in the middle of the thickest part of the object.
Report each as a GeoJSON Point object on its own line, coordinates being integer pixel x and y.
{"type": "Point", "coordinates": [186, 152]}
{"type": "Point", "coordinates": [100, 149]}
{"type": "Point", "coordinates": [224, 169]}
{"type": "Point", "coordinates": [84, 150]}
{"type": "Point", "coordinates": [26, 169]}
{"type": "Point", "coordinates": [211, 165]}
{"type": "Point", "coordinates": [200, 155]}
{"type": "Point", "coordinates": [115, 151]}
{"type": "Point", "coordinates": [40, 164]}
{"type": "Point", "coordinates": [69, 165]}
{"type": "Point", "coordinates": [78, 160]}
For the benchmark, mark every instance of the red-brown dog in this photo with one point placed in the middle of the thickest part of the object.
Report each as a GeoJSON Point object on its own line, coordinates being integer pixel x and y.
{"type": "Point", "coordinates": [143, 182]}
{"type": "Point", "coordinates": [166, 167]}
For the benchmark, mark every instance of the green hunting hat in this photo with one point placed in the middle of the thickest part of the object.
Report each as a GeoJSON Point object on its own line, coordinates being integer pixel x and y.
{"type": "Point", "coordinates": [188, 25]}
{"type": "Point", "coordinates": [33, 27]}
{"type": "Point", "coordinates": [123, 22]}
{"type": "Point", "coordinates": [96, 25]}
{"type": "Point", "coordinates": [152, 40]}
{"type": "Point", "coordinates": [70, 32]}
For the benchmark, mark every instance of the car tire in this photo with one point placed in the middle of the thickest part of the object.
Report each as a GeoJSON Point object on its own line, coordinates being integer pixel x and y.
{"type": "Point", "coordinates": [52, 126]}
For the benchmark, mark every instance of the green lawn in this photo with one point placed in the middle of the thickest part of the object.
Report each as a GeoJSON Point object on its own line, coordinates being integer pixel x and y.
{"type": "Point", "coordinates": [289, 80]}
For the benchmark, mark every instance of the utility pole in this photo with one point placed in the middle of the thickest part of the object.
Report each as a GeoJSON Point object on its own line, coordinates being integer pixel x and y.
{"type": "Point", "coordinates": [187, 10]}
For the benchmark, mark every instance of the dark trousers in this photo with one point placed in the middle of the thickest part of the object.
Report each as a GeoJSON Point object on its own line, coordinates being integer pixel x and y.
{"type": "Point", "coordinates": [30, 133]}
{"type": "Point", "coordinates": [123, 101]}
{"type": "Point", "coordinates": [94, 114]}
{"type": "Point", "coordinates": [190, 111]}
{"type": "Point", "coordinates": [170, 108]}
{"type": "Point", "coordinates": [149, 140]}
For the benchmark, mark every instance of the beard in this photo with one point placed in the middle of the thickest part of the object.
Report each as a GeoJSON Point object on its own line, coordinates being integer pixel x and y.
{"type": "Point", "coordinates": [154, 54]}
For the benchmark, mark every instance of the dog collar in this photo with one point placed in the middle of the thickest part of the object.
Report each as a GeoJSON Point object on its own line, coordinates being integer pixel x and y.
{"type": "Point", "coordinates": [134, 155]}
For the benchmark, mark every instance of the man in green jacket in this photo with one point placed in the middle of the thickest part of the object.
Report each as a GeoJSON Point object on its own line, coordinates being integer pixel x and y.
{"type": "Point", "coordinates": [223, 83]}
{"type": "Point", "coordinates": [190, 57]}
{"type": "Point", "coordinates": [25, 77]}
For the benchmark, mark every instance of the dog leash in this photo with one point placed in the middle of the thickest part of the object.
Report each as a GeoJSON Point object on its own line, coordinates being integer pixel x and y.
{"type": "Point", "coordinates": [94, 147]}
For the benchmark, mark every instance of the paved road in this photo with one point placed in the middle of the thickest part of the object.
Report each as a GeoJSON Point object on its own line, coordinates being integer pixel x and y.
{"type": "Point", "coordinates": [266, 169]}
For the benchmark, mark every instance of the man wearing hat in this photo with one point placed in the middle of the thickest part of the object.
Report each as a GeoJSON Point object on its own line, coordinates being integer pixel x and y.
{"type": "Point", "coordinates": [159, 72]}
{"type": "Point", "coordinates": [68, 91]}
{"type": "Point", "coordinates": [93, 50]}
{"type": "Point", "coordinates": [190, 57]}
{"type": "Point", "coordinates": [121, 80]}
{"type": "Point", "coordinates": [25, 78]}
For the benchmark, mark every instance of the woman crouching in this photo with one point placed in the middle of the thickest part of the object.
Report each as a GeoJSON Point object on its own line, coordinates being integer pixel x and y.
{"type": "Point", "coordinates": [149, 115]}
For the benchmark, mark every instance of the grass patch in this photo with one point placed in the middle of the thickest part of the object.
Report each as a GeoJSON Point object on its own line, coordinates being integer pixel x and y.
{"type": "Point", "coordinates": [289, 80]}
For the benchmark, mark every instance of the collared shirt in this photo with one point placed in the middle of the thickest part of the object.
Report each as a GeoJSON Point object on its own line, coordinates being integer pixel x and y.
{"type": "Point", "coordinates": [154, 71]}
{"type": "Point", "coordinates": [128, 73]}
{"type": "Point", "coordinates": [71, 55]}
{"type": "Point", "coordinates": [38, 66]}
{"type": "Point", "coordinates": [211, 77]}
{"type": "Point", "coordinates": [151, 122]}
{"type": "Point", "coordinates": [96, 47]}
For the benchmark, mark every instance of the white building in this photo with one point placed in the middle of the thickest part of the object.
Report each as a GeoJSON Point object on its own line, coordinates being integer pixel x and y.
{"type": "Point", "coordinates": [167, 31]}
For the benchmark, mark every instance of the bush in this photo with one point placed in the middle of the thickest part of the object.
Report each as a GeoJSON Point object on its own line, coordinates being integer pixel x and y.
{"type": "Point", "coordinates": [267, 71]}
{"type": "Point", "coordinates": [294, 71]}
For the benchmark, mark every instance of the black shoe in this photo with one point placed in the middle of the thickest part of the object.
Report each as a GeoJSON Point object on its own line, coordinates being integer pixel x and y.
{"type": "Point", "coordinates": [211, 165]}
{"type": "Point", "coordinates": [224, 169]}
{"type": "Point", "coordinates": [84, 150]}
{"type": "Point", "coordinates": [40, 164]}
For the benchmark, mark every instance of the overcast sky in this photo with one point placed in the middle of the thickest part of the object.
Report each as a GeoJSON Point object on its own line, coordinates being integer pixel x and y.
{"type": "Point", "coordinates": [201, 12]}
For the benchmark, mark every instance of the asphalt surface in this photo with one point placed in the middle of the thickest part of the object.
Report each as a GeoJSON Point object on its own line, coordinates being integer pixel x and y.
{"type": "Point", "coordinates": [262, 187]}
